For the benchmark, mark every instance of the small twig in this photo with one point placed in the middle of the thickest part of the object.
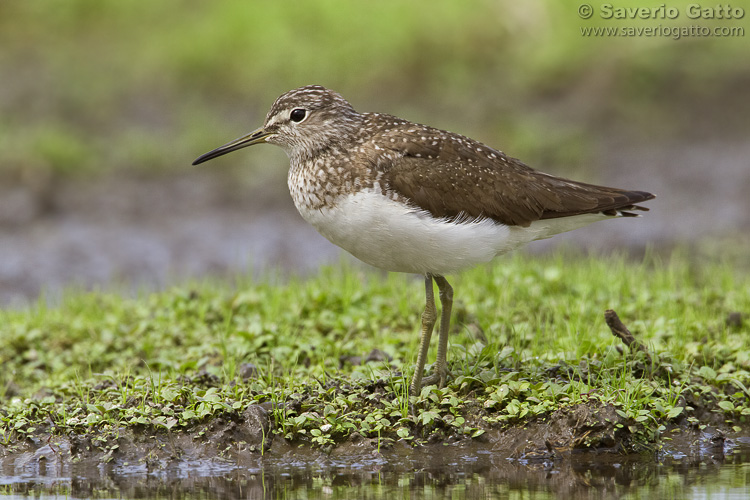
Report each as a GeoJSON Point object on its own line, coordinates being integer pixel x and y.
{"type": "Point", "coordinates": [621, 332]}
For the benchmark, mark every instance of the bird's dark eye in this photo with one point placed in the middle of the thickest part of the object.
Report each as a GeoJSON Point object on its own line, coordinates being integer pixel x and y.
{"type": "Point", "coordinates": [298, 114]}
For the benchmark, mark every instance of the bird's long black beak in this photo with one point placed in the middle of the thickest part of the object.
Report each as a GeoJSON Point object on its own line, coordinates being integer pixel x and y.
{"type": "Point", "coordinates": [255, 137]}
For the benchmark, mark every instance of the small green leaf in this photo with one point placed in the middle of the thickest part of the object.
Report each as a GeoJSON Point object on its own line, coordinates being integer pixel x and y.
{"type": "Point", "coordinates": [726, 405]}
{"type": "Point", "coordinates": [674, 412]}
{"type": "Point", "coordinates": [169, 394]}
{"type": "Point", "coordinates": [427, 417]}
{"type": "Point", "coordinates": [707, 373]}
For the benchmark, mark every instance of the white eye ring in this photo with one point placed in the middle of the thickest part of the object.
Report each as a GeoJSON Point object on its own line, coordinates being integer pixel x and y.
{"type": "Point", "coordinates": [298, 115]}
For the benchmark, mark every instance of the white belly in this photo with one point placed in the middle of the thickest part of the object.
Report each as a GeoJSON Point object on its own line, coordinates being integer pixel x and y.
{"type": "Point", "coordinates": [392, 236]}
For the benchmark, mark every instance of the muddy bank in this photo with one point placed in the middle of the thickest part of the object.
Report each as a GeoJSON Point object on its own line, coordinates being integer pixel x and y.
{"type": "Point", "coordinates": [571, 433]}
{"type": "Point", "coordinates": [147, 231]}
{"type": "Point", "coordinates": [567, 452]}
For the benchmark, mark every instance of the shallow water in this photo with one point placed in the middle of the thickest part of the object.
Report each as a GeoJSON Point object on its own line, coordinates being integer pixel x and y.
{"type": "Point", "coordinates": [431, 472]}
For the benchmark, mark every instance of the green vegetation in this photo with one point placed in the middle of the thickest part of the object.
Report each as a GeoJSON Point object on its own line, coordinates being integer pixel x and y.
{"type": "Point", "coordinates": [529, 339]}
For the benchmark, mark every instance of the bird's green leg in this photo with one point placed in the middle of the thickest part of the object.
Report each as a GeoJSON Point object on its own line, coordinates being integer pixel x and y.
{"type": "Point", "coordinates": [441, 364]}
{"type": "Point", "coordinates": [446, 300]}
{"type": "Point", "coordinates": [429, 316]}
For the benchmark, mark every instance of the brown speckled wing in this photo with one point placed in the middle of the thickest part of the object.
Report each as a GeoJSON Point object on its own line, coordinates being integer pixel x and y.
{"type": "Point", "coordinates": [453, 176]}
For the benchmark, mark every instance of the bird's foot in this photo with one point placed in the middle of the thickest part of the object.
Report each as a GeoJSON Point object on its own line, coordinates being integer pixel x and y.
{"type": "Point", "coordinates": [436, 378]}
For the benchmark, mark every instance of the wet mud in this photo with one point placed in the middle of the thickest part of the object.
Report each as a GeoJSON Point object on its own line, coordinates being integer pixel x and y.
{"type": "Point", "coordinates": [566, 433]}
{"type": "Point", "coordinates": [568, 453]}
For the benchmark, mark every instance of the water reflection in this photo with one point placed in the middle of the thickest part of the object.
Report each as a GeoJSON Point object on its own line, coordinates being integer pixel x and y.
{"type": "Point", "coordinates": [396, 473]}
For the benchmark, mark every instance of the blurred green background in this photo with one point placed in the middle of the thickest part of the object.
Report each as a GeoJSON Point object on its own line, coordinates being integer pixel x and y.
{"type": "Point", "coordinates": [125, 95]}
{"type": "Point", "coordinates": [89, 86]}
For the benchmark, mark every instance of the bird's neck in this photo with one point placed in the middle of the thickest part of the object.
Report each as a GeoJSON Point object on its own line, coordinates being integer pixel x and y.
{"type": "Point", "coordinates": [328, 140]}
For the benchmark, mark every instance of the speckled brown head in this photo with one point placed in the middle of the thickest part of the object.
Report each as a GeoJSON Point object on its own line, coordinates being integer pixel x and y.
{"type": "Point", "coordinates": [303, 122]}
